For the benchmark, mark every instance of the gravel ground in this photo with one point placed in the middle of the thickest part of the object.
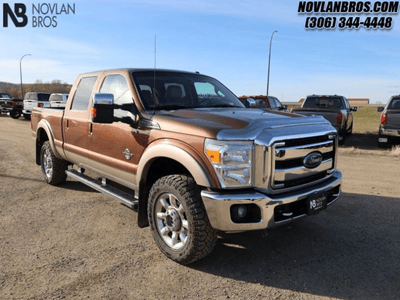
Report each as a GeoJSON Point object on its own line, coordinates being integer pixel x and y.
{"type": "Point", "coordinates": [74, 243]}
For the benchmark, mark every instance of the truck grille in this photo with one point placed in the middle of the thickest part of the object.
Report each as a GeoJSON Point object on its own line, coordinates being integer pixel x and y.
{"type": "Point", "coordinates": [299, 162]}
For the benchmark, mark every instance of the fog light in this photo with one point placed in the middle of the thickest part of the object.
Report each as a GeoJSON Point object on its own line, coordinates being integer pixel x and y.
{"type": "Point", "coordinates": [238, 213]}
{"type": "Point", "coordinates": [242, 211]}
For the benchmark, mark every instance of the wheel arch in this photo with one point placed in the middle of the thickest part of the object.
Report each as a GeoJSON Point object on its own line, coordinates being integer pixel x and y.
{"type": "Point", "coordinates": [162, 160]}
{"type": "Point", "coordinates": [44, 133]}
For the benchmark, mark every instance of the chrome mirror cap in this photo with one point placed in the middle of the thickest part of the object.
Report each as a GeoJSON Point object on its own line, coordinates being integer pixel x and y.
{"type": "Point", "coordinates": [103, 98]}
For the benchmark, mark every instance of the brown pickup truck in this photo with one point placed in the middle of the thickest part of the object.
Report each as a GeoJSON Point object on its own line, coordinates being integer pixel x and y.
{"type": "Point", "coordinates": [183, 151]}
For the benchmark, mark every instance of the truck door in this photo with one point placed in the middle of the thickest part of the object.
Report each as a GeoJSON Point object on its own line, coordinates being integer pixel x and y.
{"type": "Point", "coordinates": [116, 148]}
{"type": "Point", "coordinates": [76, 122]}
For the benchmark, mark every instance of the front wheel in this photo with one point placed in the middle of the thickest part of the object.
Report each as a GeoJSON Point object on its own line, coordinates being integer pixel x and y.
{"type": "Point", "coordinates": [178, 219]}
{"type": "Point", "coordinates": [53, 168]}
{"type": "Point", "coordinates": [27, 116]}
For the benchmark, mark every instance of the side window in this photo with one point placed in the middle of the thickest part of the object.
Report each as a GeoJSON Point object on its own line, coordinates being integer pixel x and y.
{"type": "Point", "coordinates": [272, 102]}
{"type": "Point", "coordinates": [278, 103]}
{"type": "Point", "coordinates": [117, 85]}
{"type": "Point", "coordinates": [83, 93]}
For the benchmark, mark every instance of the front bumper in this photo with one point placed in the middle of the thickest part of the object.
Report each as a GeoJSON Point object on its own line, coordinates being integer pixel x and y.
{"type": "Point", "coordinates": [274, 210]}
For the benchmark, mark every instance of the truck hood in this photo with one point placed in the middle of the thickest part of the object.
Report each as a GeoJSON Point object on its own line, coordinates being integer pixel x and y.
{"type": "Point", "coordinates": [235, 123]}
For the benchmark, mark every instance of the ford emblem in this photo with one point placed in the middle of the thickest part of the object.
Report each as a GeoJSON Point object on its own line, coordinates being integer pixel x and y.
{"type": "Point", "coordinates": [312, 160]}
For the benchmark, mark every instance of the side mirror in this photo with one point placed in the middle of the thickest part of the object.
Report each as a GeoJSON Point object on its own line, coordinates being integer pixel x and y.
{"type": "Point", "coordinates": [380, 109]}
{"type": "Point", "coordinates": [354, 108]}
{"type": "Point", "coordinates": [284, 107]}
{"type": "Point", "coordinates": [103, 108]}
{"type": "Point", "coordinates": [250, 102]}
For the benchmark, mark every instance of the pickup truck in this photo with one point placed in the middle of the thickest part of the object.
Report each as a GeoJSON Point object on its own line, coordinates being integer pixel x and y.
{"type": "Point", "coordinates": [34, 99]}
{"type": "Point", "coordinates": [389, 128]}
{"type": "Point", "coordinates": [261, 101]}
{"type": "Point", "coordinates": [336, 109]}
{"type": "Point", "coordinates": [182, 150]}
{"type": "Point", "coordinates": [58, 100]}
{"type": "Point", "coordinates": [10, 105]}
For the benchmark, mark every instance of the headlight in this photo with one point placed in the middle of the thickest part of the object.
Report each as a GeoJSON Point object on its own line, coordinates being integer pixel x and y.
{"type": "Point", "coordinates": [232, 161]}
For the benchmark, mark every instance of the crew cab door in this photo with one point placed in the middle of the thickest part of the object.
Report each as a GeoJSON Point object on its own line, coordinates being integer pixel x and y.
{"type": "Point", "coordinates": [76, 122]}
{"type": "Point", "coordinates": [115, 148]}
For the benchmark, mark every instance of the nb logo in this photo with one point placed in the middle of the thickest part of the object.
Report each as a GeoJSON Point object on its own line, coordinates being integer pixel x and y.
{"type": "Point", "coordinates": [18, 16]}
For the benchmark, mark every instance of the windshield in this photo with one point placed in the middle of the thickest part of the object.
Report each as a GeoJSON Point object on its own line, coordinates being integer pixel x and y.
{"type": "Point", "coordinates": [5, 96]}
{"type": "Point", "coordinates": [173, 90]}
{"type": "Point", "coordinates": [394, 104]}
{"type": "Point", "coordinates": [323, 102]}
{"type": "Point", "coordinates": [43, 97]}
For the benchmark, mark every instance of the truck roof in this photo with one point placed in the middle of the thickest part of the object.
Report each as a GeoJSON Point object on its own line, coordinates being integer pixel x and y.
{"type": "Point", "coordinates": [131, 70]}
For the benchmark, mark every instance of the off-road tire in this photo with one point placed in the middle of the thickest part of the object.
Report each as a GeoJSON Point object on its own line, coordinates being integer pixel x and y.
{"type": "Point", "coordinates": [53, 168]}
{"type": "Point", "coordinates": [15, 114]}
{"type": "Point", "coordinates": [175, 200]}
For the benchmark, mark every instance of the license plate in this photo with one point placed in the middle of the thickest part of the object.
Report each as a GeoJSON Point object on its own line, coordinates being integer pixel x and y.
{"type": "Point", "coordinates": [316, 203]}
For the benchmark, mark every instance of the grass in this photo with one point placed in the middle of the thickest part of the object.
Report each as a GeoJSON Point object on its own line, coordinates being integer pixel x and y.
{"type": "Point", "coordinates": [366, 120]}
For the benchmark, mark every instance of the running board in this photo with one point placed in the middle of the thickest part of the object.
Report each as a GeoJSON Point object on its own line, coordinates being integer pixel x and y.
{"type": "Point", "coordinates": [102, 187]}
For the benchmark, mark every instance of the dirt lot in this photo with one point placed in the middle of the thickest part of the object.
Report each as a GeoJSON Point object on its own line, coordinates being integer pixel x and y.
{"type": "Point", "coordinates": [72, 242]}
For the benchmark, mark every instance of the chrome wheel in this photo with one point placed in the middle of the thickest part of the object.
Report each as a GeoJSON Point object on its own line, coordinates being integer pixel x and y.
{"type": "Point", "coordinates": [172, 224]}
{"type": "Point", "coordinates": [47, 164]}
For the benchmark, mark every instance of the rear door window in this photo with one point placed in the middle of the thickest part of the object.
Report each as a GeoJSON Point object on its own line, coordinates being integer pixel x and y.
{"type": "Point", "coordinates": [83, 92]}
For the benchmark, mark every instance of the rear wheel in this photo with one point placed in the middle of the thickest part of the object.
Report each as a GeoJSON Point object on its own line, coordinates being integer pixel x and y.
{"type": "Point", "coordinates": [178, 219]}
{"type": "Point", "coordinates": [53, 168]}
{"type": "Point", "coordinates": [342, 139]}
{"type": "Point", "coordinates": [350, 131]}
{"type": "Point", "coordinates": [15, 114]}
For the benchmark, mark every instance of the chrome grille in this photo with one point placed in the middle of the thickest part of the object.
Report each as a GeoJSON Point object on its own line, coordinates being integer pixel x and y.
{"type": "Point", "coordinates": [289, 169]}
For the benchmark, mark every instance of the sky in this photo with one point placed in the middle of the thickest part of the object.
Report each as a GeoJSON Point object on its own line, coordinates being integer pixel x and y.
{"type": "Point", "coordinates": [227, 39]}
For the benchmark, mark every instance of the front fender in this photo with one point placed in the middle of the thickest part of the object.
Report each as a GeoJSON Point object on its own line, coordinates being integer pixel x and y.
{"type": "Point", "coordinates": [176, 153]}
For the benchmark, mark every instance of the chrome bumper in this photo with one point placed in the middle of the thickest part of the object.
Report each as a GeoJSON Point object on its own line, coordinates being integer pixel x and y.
{"type": "Point", "coordinates": [218, 205]}
{"type": "Point", "coordinates": [390, 132]}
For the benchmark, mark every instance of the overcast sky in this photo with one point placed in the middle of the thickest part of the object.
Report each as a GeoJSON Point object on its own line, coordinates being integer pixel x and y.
{"type": "Point", "coordinates": [226, 39]}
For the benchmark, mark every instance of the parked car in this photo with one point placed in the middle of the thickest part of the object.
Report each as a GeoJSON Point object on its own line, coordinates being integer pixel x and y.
{"type": "Point", "coordinates": [262, 101]}
{"type": "Point", "coordinates": [187, 155]}
{"type": "Point", "coordinates": [7, 103]}
{"type": "Point", "coordinates": [389, 128]}
{"type": "Point", "coordinates": [34, 99]}
{"type": "Point", "coordinates": [58, 100]}
{"type": "Point", "coordinates": [336, 109]}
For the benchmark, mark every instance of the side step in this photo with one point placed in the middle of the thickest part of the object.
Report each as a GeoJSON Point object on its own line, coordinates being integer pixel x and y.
{"type": "Point", "coordinates": [121, 196]}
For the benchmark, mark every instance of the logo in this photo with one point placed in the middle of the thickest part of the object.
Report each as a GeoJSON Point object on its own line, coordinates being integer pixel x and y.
{"type": "Point", "coordinates": [41, 15]}
{"type": "Point", "coordinates": [312, 160]}
{"type": "Point", "coordinates": [16, 15]}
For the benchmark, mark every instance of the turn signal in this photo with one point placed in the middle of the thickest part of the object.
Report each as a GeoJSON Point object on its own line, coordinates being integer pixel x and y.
{"type": "Point", "coordinates": [94, 112]}
{"type": "Point", "coordinates": [40, 105]}
{"type": "Point", "coordinates": [214, 156]}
